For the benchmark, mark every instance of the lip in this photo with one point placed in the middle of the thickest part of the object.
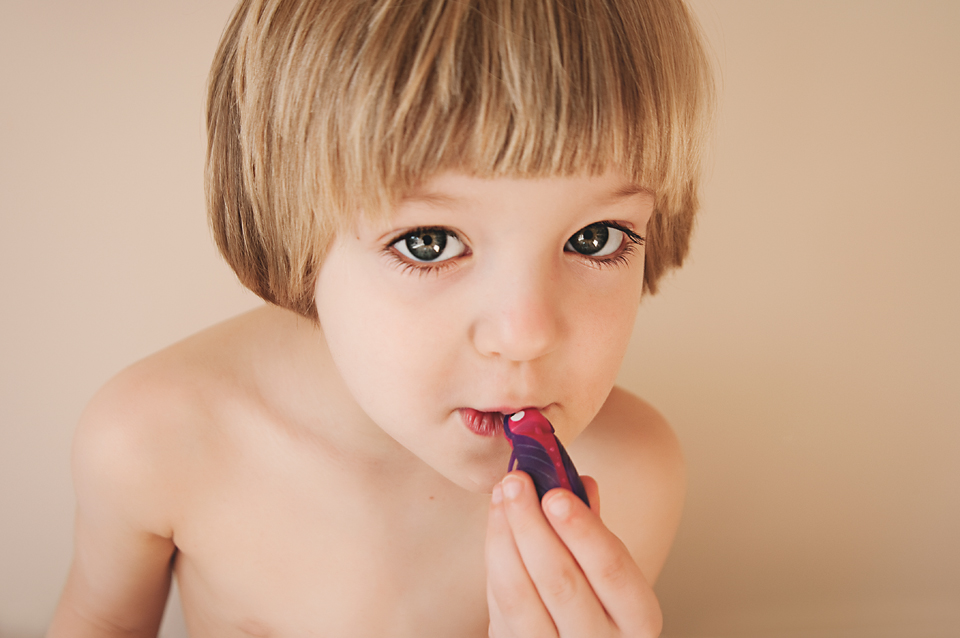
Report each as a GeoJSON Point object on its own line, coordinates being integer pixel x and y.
{"type": "Point", "coordinates": [484, 423]}
{"type": "Point", "coordinates": [487, 422]}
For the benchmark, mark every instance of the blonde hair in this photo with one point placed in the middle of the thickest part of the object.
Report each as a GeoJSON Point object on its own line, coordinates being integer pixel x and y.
{"type": "Point", "coordinates": [318, 109]}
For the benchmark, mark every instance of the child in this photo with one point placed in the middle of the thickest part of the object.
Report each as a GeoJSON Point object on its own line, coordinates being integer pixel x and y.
{"type": "Point", "coordinates": [452, 209]}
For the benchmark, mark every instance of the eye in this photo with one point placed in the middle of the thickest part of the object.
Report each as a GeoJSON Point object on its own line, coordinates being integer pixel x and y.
{"type": "Point", "coordinates": [430, 245]}
{"type": "Point", "coordinates": [596, 240]}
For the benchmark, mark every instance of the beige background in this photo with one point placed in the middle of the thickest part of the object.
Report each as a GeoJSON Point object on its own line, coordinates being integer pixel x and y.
{"type": "Point", "coordinates": [808, 355]}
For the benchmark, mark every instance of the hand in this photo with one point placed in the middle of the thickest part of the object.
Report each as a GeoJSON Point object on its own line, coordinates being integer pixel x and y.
{"type": "Point", "coordinates": [557, 571]}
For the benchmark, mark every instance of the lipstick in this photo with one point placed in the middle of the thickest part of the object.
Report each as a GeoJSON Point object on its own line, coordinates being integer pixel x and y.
{"type": "Point", "coordinates": [538, 452]}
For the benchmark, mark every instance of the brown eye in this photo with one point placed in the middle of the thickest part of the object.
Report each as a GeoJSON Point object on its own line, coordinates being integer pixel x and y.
{"type": "Point", "coordinates": [430, 244]}
{"type": "Point", "coordinates": [596, 240]}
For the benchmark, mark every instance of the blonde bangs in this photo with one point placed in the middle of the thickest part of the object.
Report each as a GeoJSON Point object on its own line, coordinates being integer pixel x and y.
{"type": "Point", "coordinates": [344, 106]}
{"type": "Point", "coordinates": [525, 89]}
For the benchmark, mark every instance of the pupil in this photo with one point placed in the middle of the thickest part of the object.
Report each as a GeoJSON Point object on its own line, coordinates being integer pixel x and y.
{"type": "Point", "coordinates": [426, 245]}
{"type": "Point", "coordinates": [591, 239]}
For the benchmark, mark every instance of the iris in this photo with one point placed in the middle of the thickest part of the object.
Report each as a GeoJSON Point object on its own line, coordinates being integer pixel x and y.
{"type": "Point", "coordinates": [426, 245]}
{"type": "Point", "coordinates": [591, 239]}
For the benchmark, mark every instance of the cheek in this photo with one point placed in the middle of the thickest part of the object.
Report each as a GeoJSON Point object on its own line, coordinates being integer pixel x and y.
{"type": "Point", "coordinates": [602, 344]}
{"type": "Point", "coordinates": [598, 344]}
{"type": "Point", "coordinates": [606, 316]}
{"type": "Point", "coordinates": [387, 346]}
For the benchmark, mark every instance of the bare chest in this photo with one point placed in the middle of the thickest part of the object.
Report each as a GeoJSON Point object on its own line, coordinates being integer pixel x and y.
{"type": "Point", "coordinates": [290, 550]}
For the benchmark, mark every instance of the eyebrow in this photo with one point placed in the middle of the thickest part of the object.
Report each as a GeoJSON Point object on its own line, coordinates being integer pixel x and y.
{"type": "Point", "coordinates": [629, 191]}
{"type": "Point", "coordinates": [434, 198]}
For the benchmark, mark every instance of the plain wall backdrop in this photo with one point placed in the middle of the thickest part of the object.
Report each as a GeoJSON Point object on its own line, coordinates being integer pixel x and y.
{"type": "Point", "coordinates": [808, 354]}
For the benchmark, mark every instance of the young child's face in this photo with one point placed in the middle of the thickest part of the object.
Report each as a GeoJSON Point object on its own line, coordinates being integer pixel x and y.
{"type": "Point", "coordinates": [482, 296]}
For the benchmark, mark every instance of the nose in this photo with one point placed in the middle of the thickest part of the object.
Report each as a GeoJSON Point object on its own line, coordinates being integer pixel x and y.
{"type": "Point", "coordinates": [519, 319]}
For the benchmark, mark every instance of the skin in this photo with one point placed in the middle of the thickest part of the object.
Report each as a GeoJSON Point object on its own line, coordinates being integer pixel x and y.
{"type": "Point", "coordinates": [319, 480]}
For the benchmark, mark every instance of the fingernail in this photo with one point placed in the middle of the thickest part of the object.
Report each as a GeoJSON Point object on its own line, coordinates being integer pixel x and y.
{"type": "Point", "coordinates": [559, 505]}
{"type": "Point", "coordinates": [497, 495]}
{"type": "Point", "coordinates": [511, 487]}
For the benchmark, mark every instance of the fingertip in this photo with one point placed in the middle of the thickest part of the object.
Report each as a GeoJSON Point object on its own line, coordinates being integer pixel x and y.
{"type": "Point", "coordinates": [512, 486]}
{"type": "Point", "coordinates": [518, 488]}
{"type": "Point", "coordinates": [557, 503]}
{"type": "Point", "coordinates": [497, 495]}
{"type": "Point", "coordinates": [497, 524]}
{"type": "Point", "coordinates": [519, 474]}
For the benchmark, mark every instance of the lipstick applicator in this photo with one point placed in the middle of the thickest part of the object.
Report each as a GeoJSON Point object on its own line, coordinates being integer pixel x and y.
{"type": "Point", "coordinates": [538, 452]}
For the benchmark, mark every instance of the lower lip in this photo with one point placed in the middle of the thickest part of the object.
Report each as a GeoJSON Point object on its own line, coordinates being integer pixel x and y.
{"type": "Point", "coordinates": [482, 423]}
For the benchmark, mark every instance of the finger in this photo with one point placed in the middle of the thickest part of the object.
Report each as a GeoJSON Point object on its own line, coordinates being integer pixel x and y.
{"type": "Point", "coordinates": [611, 571]}
{"type": "Point", "coordinates": [593, 493]}
{"type": "Point", "coordinates": [561, 584]}
{"type": "Point", "coordinates": [502, 626]}
{"type": "Point", "coordinates": [515, 605]}
{"type": "Point", "coordinates": [498, 627]}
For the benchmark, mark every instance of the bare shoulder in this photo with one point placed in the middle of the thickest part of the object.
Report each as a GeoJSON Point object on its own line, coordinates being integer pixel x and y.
{"type": "Point", "coordinates": [634, 455]}
{"type": "Point", "coordinates": [138, 453]}
{"type": "Point", "coordinates": [141, 437]}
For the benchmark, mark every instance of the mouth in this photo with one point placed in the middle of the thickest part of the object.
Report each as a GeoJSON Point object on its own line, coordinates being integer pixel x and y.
{"type": "Point", "coordinates": [482, 423]}
{"type": "Point", "coordinates": [487, 423]}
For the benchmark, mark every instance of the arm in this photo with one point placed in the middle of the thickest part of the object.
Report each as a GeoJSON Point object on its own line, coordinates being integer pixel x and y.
{"type": "Point", "coordinates": [123, 549]}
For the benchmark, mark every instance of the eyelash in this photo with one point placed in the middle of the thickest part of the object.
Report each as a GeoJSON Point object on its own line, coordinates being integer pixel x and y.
{"type": "Point", "coordinates": [620, 258]}
{"type": "Point", "coordinates": [424, 268]}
